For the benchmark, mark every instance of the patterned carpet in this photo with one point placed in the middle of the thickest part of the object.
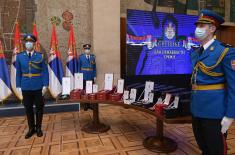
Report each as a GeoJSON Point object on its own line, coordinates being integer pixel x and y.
{"type": "Point", "coordinates": [63, 135]}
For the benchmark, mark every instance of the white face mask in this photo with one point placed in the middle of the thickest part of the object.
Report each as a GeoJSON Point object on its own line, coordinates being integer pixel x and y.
{"type": "Point", "coordinates": [29, 46]}
{"type": "Point", "coordinates": [87, 51]}
{"type": "Point", "coordinates": [200, 33]}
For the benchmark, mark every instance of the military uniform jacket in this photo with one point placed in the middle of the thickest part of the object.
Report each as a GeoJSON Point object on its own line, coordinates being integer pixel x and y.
{"type": "Point", "coordinates": [31, 73]}
{"type": "Point", "coordinates": [215, 66]}
{"type": "Point", "coordinates": [87, 66]}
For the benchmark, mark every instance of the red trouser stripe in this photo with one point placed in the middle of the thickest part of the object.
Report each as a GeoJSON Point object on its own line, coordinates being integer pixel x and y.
{"type": "Point", "coordinates": [225, 144]}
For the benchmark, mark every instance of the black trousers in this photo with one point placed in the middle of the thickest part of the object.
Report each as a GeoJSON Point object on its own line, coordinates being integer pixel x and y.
{"type": "Point", "coordinates": [208, 135]}
{"type": "Point", "coordinates": [31, 97]}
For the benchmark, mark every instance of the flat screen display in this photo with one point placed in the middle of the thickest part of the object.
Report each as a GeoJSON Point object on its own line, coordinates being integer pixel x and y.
{"type": "Point", "coordinates": [159, 43]}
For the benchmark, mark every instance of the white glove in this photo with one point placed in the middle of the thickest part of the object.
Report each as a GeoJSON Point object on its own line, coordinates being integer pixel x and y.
{"type": "Point", "coordinates": [44, 89]}
{"type": "Point", "coordinates": [226, 123]}
{"type": "Point", "coordinates": [19, 89]}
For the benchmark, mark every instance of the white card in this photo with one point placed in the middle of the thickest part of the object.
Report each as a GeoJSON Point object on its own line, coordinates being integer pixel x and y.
{"type": "Point", "coordinates": [95, 88]}
{"type": "Point", "coordinates": [176, 102]}
{"type": "Point", "coordinates": [78, 77]}
{"type": "Point", "coordinates": [159, 101]}
{"type": "Point", "coordinates": [88, 87]}
{"type": "Point", "coordinates": [126, 95]}
{"type": "Point", "coordinates": [108, 82]}
{"type": "Point", "coordinates": [167, 99]}
{"type": "Point", "coordinates": [149, 87]}
{"type": "Point", "coordinates": [133, 94]}
{"type": "Point", "coordinates": [128, 102]}
{"type": "Point", "coordinates": [151, 95]}
{"type": "Point", "coordinates": [66, 86]}
{"type": "Point", "coordinates": [120, 86]}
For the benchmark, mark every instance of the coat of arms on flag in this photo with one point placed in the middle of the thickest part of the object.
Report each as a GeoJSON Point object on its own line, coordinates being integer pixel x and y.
{"type": "Point", "coordinates": [55, 68]}
{"type": "Point", "coordinates": [72, 60]}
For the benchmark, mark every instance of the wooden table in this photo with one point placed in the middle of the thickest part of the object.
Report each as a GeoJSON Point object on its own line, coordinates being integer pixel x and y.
{"type": "Point", "coordinates": [157, 143]}
{"type": "Point", "coordinates": [95, 126]}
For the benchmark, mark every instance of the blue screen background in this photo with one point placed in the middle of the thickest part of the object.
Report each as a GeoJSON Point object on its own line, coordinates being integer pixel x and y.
{"type": "Point", "coordinates": [166, 55]}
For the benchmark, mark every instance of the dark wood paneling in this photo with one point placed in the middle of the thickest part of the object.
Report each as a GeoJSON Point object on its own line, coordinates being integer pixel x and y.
{"type": "Point", "coordinates": [226, 35]}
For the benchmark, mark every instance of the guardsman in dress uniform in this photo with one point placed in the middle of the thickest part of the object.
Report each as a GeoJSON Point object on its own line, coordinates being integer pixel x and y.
{"type": "Point", "coordinates": [87, 66]}
{"type": "Point", "coordinates": [213, 86]}
{"type": "Point", "coordinates": [32, 78]}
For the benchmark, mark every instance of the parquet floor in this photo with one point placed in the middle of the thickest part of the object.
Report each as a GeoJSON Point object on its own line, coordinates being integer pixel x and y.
{"type": "Point", "coordinates": [63, 135]}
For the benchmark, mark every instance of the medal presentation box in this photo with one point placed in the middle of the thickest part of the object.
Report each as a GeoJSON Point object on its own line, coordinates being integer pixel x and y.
{"type": "Point", "coordinates": [108, 87]}
{"type": "Point", "coordinates": [103, 94]}
{"type": "Point", "coordinates": [92, 96]}
{"type": "Point", "coordinates": [76, 94]}
{"type": "Point", "coordinates": [115, 97]}
{"type": "Point", "coordinates": [84, 96]}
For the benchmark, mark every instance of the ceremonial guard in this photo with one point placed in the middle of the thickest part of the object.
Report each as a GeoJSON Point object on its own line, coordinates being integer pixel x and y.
{"type": "Point", "coordinates": [87, 66]}
{"type": "Point", "coordinates": [32, 78]}
{"type": "Point", "coordinates": [213, 86]}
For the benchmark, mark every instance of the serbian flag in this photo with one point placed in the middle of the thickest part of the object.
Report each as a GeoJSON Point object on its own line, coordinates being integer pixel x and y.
{"type": "Point", "coordinates": [37, 46]}
{"type": "Point", "coordinates": [55, 68]}
{"type": "Point", "coordinates": [5, 85]}
{"type": "Point", "coordinates": [72, 61]}
{"type": "Point", "coordinates": [17, 49]}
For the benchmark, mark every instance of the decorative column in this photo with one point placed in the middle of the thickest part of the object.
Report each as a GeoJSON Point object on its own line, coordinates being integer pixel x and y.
{"type": "Point", "coordinates": [106, 37]}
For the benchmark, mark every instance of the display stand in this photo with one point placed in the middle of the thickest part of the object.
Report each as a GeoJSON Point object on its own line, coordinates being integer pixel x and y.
{"type": "Point", "coordinates": [95, 126]}
{"type": "Point", "coordinates": [159, 143]}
